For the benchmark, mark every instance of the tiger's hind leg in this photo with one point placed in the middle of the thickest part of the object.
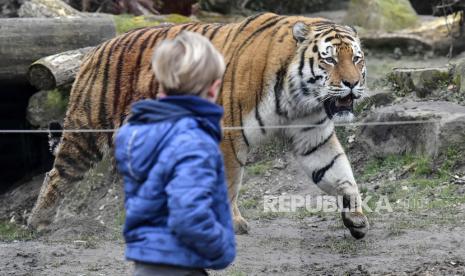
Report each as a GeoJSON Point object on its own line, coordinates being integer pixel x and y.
{"type": "Point", "coordinates": [234, 171]}
{"type": "Point", "coordinates": [75, 155]}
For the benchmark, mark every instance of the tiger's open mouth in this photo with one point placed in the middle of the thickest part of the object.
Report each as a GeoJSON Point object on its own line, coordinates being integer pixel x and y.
{"type": "Point", "coordinates": [339, 105]}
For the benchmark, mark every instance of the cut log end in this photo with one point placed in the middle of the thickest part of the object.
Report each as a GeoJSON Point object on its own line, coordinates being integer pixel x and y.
{"type": "Point", "coordinates": [57, 70]}
{"type": "Point", "coordinates": [41, 77]}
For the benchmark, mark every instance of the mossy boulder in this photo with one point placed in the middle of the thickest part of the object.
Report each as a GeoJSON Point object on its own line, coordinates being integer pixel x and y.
{"type": "Point", "coordinates": [385, 15]}
{"type": "Point", "coordinates": [47, 106]}
{"type": "Point", "coordinates": [423, 81]}
{"type": "Point", "coordinates": [128, 22]}
{"type": "Point", "coordinates": [443, 129]}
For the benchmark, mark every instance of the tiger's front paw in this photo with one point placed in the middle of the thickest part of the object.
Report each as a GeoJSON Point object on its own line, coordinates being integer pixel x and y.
{"type": "Point", "coordinates": [241, 226]}
{"type": "Point", "coordinates": [357, 223]}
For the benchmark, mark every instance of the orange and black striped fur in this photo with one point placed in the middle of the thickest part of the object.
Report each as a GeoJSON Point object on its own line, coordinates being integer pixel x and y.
{"type": "Point", "coordinates": [281, 70]}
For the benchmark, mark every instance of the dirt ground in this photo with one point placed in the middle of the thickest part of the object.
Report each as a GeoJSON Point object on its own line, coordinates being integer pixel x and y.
{"type": "Point", "coordinates": [427, 240]}
{"type": "Point", "coordinates": [300, 243]}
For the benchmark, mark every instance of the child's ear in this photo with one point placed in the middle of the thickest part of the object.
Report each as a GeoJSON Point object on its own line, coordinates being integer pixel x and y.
{"type": "Point", "coordinates": [213, 90]}
{"type": "Point", "coordinates": [161, 93]}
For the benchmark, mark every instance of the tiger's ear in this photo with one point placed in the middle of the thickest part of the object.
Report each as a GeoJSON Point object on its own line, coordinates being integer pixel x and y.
{"type": "Point", "coordinates": [352, 28]}
{"type": "Point", "coordinates": [300, 30]}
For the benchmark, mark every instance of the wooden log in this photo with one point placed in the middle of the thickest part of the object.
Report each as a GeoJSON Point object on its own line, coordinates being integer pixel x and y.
{"type": "Point", "coordinates": [25, 40]}
{"type": "Point", "coordinates": [49, 72]}
{"type": "Point", "coordinates": [392, 40]}
{"type": "Point", "coordinates": [437, 35]}
{"type": "Point", "coordinates": [442, 33]}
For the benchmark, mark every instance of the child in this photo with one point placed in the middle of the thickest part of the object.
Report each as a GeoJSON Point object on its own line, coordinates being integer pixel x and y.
{"type": "Point", "coordinates": [178, 219]}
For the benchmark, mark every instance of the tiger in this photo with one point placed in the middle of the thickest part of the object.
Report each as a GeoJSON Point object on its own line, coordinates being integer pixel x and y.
{"type": "Point", "coordinates": [280, 71]}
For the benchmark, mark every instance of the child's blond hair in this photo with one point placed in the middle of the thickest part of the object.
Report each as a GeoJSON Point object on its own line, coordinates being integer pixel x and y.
{"type": "Point", "coordinates": [187, 64]}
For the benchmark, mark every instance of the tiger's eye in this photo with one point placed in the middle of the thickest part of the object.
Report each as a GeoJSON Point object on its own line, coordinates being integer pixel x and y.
{"type": "Point", "coordinates": [356, 59]}
{"type": "Point", "coordinates": [330, 60]}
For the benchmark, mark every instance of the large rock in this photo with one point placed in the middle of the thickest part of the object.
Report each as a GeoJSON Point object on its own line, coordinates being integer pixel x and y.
{"type": "Point", "coordinates": [47, 9]}
{"type": "Point", "coordinates": [422, 81]}
{"type": "Point", "coordinates": [385, 15]}
{"type": "Point", "coordinates": [47, 106]}
{"type": "Point", "coordinates": [444, 128]}
{"type": "Point", "coordinates": [459, 75]}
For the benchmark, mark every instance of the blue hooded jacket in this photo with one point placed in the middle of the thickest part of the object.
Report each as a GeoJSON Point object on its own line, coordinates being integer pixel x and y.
{"type": "Point", "coordinates": [177, 208]}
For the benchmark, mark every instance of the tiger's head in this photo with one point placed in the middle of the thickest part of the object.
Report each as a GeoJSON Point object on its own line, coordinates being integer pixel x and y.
{"type": "Point", "coordinates": [328, 70]}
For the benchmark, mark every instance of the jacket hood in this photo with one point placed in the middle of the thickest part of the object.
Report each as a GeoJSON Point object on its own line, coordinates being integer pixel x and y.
{"type": "Point", "coordinates": [173, 108]}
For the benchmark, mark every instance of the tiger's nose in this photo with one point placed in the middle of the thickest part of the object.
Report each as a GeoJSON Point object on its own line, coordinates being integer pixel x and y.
{"type": "Point", "coordinates": [349, 84]}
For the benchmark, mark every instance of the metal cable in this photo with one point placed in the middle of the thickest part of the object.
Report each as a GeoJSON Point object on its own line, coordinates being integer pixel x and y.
{"type": "Point", "coordinates": [354, 124]}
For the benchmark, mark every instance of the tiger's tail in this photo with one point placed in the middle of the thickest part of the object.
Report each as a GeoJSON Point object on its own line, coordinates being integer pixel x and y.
{"type": "Point", "coordinates": [72, 161]}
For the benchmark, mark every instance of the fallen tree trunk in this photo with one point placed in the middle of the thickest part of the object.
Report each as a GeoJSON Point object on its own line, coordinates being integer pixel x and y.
{"type": "Point", "coordinates": [392, 40]}
{"type": "Point", "coordinates": [24, 41]}
{"type": "Point", "coordinates": [49, 72]}
{"type": "Point", "coordinates": [437, 35]}
{"type": "Point", "coordinates": [442, 33]}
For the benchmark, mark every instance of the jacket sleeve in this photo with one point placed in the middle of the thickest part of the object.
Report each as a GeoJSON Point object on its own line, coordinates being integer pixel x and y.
{"type": "Point", "coordinates": [190, 200]}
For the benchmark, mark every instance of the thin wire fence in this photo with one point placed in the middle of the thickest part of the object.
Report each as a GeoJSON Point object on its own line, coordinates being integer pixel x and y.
{"type": "Point", "coordinates": [235, 128]}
